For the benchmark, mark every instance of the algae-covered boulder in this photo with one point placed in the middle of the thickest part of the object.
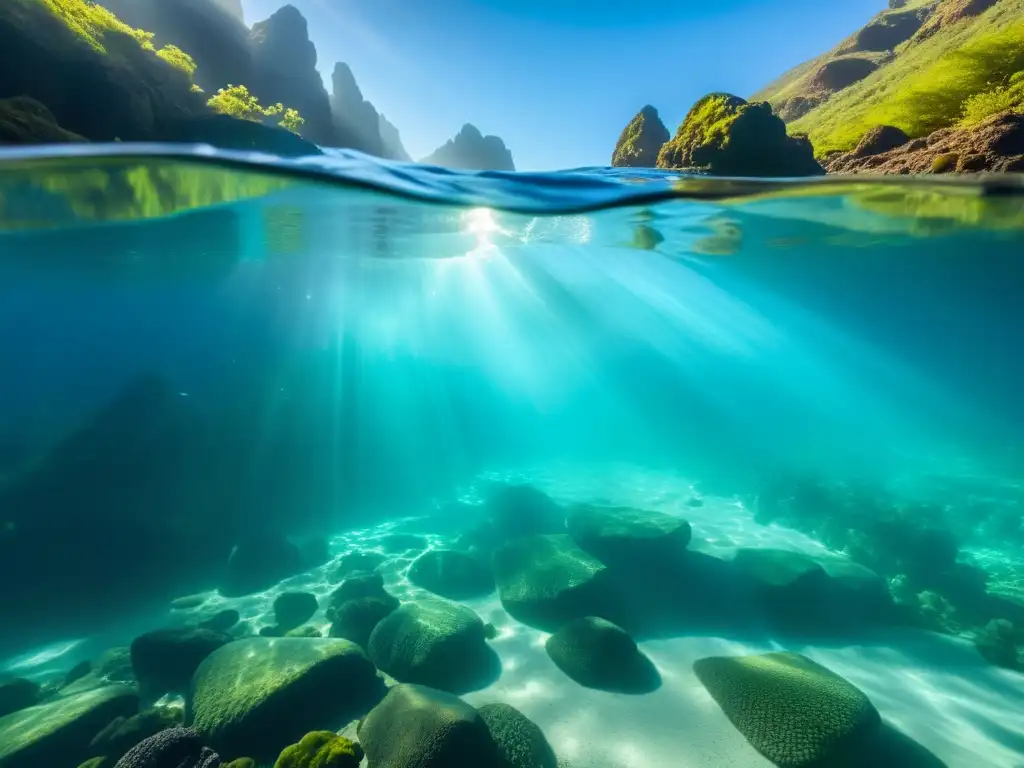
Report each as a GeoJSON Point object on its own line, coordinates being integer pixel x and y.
{"type": "Point", "coordinates": [435, 643]}
{"type": "Point", "coordinates": [259, 562]}
{"type": "Point", "coordinates": [293, 609]}
{"type": "Point", "coordinates": [520, 741]}
{"type": "Point", "coordinates": [633, 538]}
{"type": "Point", "coordinates": [256, 696]}
{"type": "Point", "coordinates": [173, 748]}
{"type": "Point", "coordinates": [792, 710]}
{"type": "Point", "coordinates": [16, 694]}
{"type": "Point", "coordinates": [598, 654]}
{"type": "Point", "coordinates": [321, 749]}
{"type": "Point", "coordinates": [221, 621]}
{"type": "Point", "coordinates": [522, 510]}
{"type": "Point", "coordinates": [357, 562]}
{"type": "Point", "coordinates": [419, 727]}
{"type": "Point", "coordinates": [356, 619]}
{"type": "Point", "coordinates": [452, 574]}
{"type": "Point", "coordinates": [166, 659]}
{"type": "Point", "coordinates": [59, 732]}
{"type": "Point", "coordinates": [727, 136]}
{"type": "Point", "coordinates": [641, 141]}
{"type": "Point", "coordinates": [545, 581]}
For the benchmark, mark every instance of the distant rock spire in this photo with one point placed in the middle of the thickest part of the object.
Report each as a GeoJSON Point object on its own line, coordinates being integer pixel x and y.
{"type": "Point", "coordinates": [471, 150]}
{"type": "Point", "coordinates": [641, 140]}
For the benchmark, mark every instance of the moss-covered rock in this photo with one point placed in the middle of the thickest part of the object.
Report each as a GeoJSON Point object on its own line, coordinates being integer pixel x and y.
{"type": "Point", "coordinates": [256, 696]}
{"type": "Point", "coordinates": [166, 659]}
{"type": "Point", "coordinates": [520, 741]}
{"type": "Point", "coordinates": [358, 561]}
{"type": "Point", "coordinates": [59, 732]}
{"type": "Point", "coordinates": [221, 621]}
{"type": "Point", "coordinates": [641, 141]}
{"type": "Point", "coordinates": [1002, 644]}
{"type": "Point", "coordinates": [258, 563]}
{"type": "Point", "coordinates": [356, 619]}
{"type": "Point", "coordinates": [545, 581]}
{"type": "Point", "coordinates": [25, 121]}
{"type": "Point", "coordinates": [305, 631]}
{"type": "Point", "coordinates": [321, 749]}
{"type": "Point", "coordinates": [177, 747]}
{"type": "Point", "coordinates": [632, 538]}
{"type": "Point", "coordinates": [598, 654]}
{"type": "Point", "coordinates": [293, 609]}
{"type": "Point", "coordinates": [792, 710]}
{"type": "Point", "coordinates": [16, 694]}
{"type": "Point", "coordinates": [522, 510]}
{"type": "Point", "coordinates": [419, 727]}
{"type": "Point", "coordinates": [452, 574]}
{"type": "Point", "coordinates": [435, 643]}
{"type": "Point", "coordinates": [726, 136]}
{"type": "Point", "coordinates": [240, 762]}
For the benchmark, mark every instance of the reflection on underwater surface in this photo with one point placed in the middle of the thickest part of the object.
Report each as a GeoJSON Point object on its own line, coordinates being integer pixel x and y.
{"type": "Point", "coordinates": [375, 402]}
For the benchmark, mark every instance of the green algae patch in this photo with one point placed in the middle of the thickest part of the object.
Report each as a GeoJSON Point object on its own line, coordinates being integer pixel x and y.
{"type": "Point", "coordinates": [255, 697]}
{"type": "Point", "coordinates": [59, 732]}
{"type": "Point", "coordinates": [792, 710]}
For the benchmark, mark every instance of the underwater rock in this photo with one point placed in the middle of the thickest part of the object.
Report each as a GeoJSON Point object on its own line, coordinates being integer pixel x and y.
{"type": "Point", "coordinates": [293, 609]}
{"type": "Point", "coordinates": [315, 551]}
{"type": "Point", "coordinates": [240, 762]}
{"type": "Point", "coordinates": [321, 749]}
{"type": "Point", "coordinates": [97, 762]}
{"type": "Point", "coordinates": [221, 621]}
{"type": "Point", "coordinates": [792, 710]}
{"type": "Point", "coordinates": [18, 694]}
{"type": "Point", "coordinates": [172, 748]}
{"type": "Point", "coordinates": [625, 537]}
{"type": "Point", "coordinates": [356, 619]}
{"type": "Point", "coordinates": [419, 727]}
{"type": "Point", "coordinates": [115, 665]}
{"type": "Point", "coordinates": [59, 732]}
{"type": "Point", "coordinates": [24, 120]}
{"type": "Point", "coordinates": [999, 642]}
{"type": "Point", "coordinates": [166, 659]}
{"type": "Point", "coordinates": [545, 581]}
{"type": "Point", "coordinates": [641, 140]}
{"type": "Point", "coordinates": [77, 672]}
{"type": "Point", "coordinates": [598, 654]}
{"type": "Point", "coordinates": [305, 631]}
{"type": "Point", "coordinates": [727, 136]}
{"type": "Point", "coordinates": [258, 563]}
{"type": "Point", "coordinates": [403, 542]}
{"type": "Point", "coordinates": [522, 510]}
{"type": "Point", "coordinates": [359, 585]}
{"type": "Point", "coordinates": [520, 741]}
{"type": "Point", "coordinates": [122, 734]}
{"type": "Point", "coordinates": [435, 643]}
{"type": "Point", "coordinates": [256, 696]}
{"type": "Point", "coordinates": [357, 561]}
{"type": "Point", "coordinates": [451, 574]}
{"type": "Point", "coordinates": [186, 602]}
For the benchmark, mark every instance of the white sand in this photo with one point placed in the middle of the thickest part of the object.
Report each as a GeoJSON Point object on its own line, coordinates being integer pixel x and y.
{"type": "Point", "coordinates": [935, 689]}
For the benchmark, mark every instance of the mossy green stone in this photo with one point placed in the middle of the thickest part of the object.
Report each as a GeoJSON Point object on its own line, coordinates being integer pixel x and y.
{"type": "Point", "coordinates": [59, 732]}
{"type": "Point", "coordinates": [547, 580]}
{"type": "Point", "coordinates": [630, 536]}
{"type": "Point", "coordinates": [256, 696]}
{"type": "Point", "coordinates": [520, 741]}
{"type": "Point", "coordinates": [792, 710]}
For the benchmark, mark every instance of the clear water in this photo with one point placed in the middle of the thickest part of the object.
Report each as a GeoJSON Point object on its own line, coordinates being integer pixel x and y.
{"type": "Point", "coordinates": [194, 349]}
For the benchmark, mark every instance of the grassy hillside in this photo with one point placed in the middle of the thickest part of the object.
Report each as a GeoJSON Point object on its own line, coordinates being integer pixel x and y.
{"type": "Point", "coordinates": [957, 73]}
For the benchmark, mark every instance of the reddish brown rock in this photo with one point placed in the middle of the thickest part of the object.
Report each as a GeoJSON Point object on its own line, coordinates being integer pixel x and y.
{"type": "Point", "coordinates": [994, 145]}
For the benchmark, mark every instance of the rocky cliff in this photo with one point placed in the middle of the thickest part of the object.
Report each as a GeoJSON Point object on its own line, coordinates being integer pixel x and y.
{"type": "Point", "coordinates": [393, 146]}
{"type": "Point", "coordinates": [641, 141]}
{"type": "Point", "coordinates": [284, 70]}
{"type": "Point", "coordinates": [356, 122]}
{"type": "Point", "coordinates": [471, 150]}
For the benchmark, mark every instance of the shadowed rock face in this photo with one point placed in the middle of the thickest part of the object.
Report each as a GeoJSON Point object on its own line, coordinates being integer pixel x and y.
{"type": "Point", "coordinates": [284, 62]}
{"type": "Point", "coordinates": [641, 140]}
{"type": "Point", "coordinates": [841, 73]}
{"type": "Point", "coordinates": [393, 146]}
{"type": "Point", "coordinates": [470, 149]}
{"type": "Point", "coordinates": [356, 122]}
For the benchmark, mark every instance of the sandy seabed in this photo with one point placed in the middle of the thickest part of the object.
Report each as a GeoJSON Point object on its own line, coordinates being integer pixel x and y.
{"type": "Point", "coordinates": [934, 689]}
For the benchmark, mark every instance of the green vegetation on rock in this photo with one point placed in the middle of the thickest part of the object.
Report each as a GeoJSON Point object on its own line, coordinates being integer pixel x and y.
{"type": "Point", "coordinates": [321, 749]}
{"type": "Point", "coordinates": [792, 710]}
{"type": "Point", "coordinates": [236, 101]}
{"type": "Point", "coordinates": [641, 140]}
{"type": "Point", "coordinates": [959, 74]}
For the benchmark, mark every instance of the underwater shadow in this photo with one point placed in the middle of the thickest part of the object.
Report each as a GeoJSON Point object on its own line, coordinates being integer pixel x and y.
{"type": "Point", "coordinates": [473, 674]}
{"type": "Point", "coordinates": [890, 748]}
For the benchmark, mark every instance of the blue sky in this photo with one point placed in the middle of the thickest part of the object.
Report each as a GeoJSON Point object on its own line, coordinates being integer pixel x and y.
{"type": "Point", "coordinates": [559, 79]}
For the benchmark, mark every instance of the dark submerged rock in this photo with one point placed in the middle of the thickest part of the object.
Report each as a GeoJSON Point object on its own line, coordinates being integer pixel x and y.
{"type": "Point", "coordinates": [173, 748]}
{"type": "Point", "coordinates": [123, 734]}
{"type": "Point", "coordinates": [259, 562]}
{"type": "Point", "coordinates": [628, 537]}
{"type": "Point", "coordinates": [356, 619]}
{"type": "Point", "coordinates": [598, 654]}
{"type": "Point", "coordinates": [521, 510]}
{"type": "Point", "coordinates": [451, 574]}
{"type": "Point", "coordinates": [419, 727]}
{"type": "Point", "coordinates": [18, 694]}
{"type": "Point", "coordinates": [293, 609]}
{"type": "Point", "coordinates": [166, 659]}
{"type": "Point", "coordinates": [256, 696]}
{"type": "Point", "coordinates": [434, 643]}
{"type": "Point", "coordinates": [352, 562]}
{"type": "Point", "coordinates": [221, 621]}
{"type": "Point", "coordinates": [520, 741]}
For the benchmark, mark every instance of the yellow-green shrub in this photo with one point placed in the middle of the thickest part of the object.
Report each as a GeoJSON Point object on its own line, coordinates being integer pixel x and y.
{"type": "Point", "coordinates": [236, 101]}
{"type": "Point", "coordinates": [92, 22]}
{"type": "Point", "coordinates": [176, 57]}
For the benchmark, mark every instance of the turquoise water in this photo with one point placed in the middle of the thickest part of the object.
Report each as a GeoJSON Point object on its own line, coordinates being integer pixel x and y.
{"type": "Point", "coordinates": [224, 376]}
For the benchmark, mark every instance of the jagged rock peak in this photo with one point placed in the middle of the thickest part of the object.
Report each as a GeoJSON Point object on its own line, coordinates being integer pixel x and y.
{"type": "Point", "coordinates": [356, 122]}
{"type": "Point", "coordinates": [392, 140]}
{"type": "Point", "coordinates": [470, 149]}
{"type": "Point", "coordinates": [344, 82]}
{"type": "Point", "coordinates": [286, 32]}
{"type": "Point", "coordinates": [641, 140]}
